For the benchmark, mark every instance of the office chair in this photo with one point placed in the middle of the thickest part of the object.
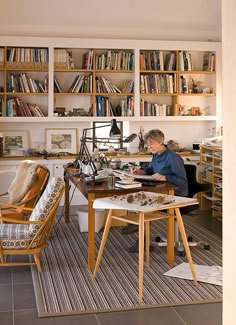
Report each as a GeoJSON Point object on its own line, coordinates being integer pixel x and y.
{"type": "Point", "coordinates": [194, 187]}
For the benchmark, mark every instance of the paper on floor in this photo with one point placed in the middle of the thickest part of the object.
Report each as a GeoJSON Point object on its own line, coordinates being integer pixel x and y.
{"type": "Point", "coordinates": [209, 274]}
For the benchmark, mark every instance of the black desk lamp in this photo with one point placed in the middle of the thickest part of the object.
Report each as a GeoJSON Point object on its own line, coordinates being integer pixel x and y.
{"type": "Point", "coordinates": [114, 137]}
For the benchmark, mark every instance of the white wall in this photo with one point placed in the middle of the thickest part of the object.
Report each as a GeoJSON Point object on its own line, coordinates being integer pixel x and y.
{"type": "Point", "coordinates": [229, 158]}
{"type": "Point", "coordinates": [136, 19]}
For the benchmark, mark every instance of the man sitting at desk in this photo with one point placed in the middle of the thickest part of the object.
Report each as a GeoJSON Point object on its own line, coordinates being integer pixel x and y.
{"type": "Point", "coordinates": [166, 165]}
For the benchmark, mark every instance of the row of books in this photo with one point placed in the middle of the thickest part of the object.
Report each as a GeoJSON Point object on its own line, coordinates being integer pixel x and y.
{"type": "Point", "coordinates": [209, 61]}
{"type": "Point", "coordinates": [104, 85]}
{"type": "Point", "coordinates": [82, 84]}
{"type": "Point", "coordinates": [153, 109]}
{"type": "Point", "coordinates": [158, 83]}
{"type": "Point", "coordinates": [115, 60]}
{"type": "Point", "coordinates": [105, 108]}
{"type": "Point", "coordinates": [21, 83]}
{"type": "Point", "coordinates": [1, 105]}
{"type": "Point", "coordinates": [185, 61]}
{"type": "Point", "coordinates": [64, 58]}
{"type": "Point", "coordinates": [17, 107]}
{"type": "Point", "coordinates": [87, 60]}
{"type": "Point", "coordinates": [1, 54]}
{"type": "Point", "coordinates": [21, 54]}
{"type": "Point", "coordinates": [156, 60]}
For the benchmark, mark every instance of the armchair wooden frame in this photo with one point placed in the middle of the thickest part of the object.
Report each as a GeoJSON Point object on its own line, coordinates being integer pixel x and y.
{"type": "Point", "coordinates": [39, 241]}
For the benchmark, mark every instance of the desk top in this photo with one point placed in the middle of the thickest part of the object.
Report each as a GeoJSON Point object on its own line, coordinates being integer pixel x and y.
{"type": "Point", "coordinates": [86, 188]}
{"type": "Point", "coordinates": [143, 202]}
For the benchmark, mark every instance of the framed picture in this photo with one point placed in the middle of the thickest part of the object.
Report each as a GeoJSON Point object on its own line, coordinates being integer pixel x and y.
{"type": "Point", "coordinates": [61, 140]}
{"type": "Point", "coordinates": [15, 142]}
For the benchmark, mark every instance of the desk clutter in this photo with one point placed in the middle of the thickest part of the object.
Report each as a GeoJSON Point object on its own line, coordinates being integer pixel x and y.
{"type": "Point", "coordinates": [144, 200]}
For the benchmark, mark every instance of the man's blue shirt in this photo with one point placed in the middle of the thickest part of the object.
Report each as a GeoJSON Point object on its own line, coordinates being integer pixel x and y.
{"type": "Point", "coordinates": [171, 165]}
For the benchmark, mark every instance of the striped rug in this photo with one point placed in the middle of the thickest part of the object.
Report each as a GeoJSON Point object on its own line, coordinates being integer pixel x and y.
{"type": "Point", "coordinates": [66, 286]}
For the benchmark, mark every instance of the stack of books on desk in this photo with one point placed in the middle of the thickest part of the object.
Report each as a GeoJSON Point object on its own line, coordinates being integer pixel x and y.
{"type": "Point", "coordinates": [128, 184]}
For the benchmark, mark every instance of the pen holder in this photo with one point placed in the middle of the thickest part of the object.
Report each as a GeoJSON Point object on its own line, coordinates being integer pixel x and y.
{"type": "Point", "coordinates": [111, 181]}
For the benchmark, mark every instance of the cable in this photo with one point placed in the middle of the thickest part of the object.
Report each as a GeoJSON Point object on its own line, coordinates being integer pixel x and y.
{"type": "Point", "coordinates": [63, 208]}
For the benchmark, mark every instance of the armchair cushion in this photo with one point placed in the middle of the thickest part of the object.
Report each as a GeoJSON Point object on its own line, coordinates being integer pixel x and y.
{"type": "Point", "coordinates": [46, 202]}
{"type": "Point", "coordinates": [15, 236]}
{"type": "Point", "coordinates": [25, 178]}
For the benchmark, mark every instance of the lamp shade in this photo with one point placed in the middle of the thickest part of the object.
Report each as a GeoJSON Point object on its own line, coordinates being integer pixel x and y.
{"type": "Point", "coordinates": [115, 131]}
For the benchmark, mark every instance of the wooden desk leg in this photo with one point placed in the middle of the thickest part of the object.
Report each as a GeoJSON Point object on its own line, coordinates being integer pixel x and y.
{"type": "Point", "coordinates": [103, 242]}
{"type": "Point", "coordinates": [91, 231]}
{"type": "Point", "coordinates": [141, 254]}
{"type": "Point", "coordinates": [67, 199]}
{"type": "Point", "coordinates": [170, 238]}
{"type": "Point", "coordinates": [147, 234]}
{"type": "Point", "coordinates": [185, 242]}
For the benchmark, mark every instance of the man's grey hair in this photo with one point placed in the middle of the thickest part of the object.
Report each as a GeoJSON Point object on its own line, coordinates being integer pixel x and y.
{"type": "Point", "coordinates": [156, 135]}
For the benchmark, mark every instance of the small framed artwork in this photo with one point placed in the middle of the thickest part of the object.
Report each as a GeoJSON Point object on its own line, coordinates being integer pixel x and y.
{"type": "Point", "coordinates": [15, 142]}
{"type": "Point", "coordinates": [61, 140]}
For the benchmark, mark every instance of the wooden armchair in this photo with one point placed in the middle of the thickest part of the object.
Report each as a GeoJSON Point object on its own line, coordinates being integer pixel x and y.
{"type": "Point", "coordinates": [30, 237]}
{"type": "Point", "coordinates": [30, 181]}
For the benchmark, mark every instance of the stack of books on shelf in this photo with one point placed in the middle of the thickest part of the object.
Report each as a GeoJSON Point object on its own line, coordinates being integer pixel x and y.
{"type": "Point", "coordinates": [153, 109]}
{"type": "Point", "coordinates": [26, 55]}
{"type": "Point", "coordinates": [63, 59]}
{"type": "Point", "coordinates": [88, 60]}
{"type": "Point", "coordinates": [209, 62]}
{"type": "Point", "coordinates": [185, 61]}
{"type": "Point", "coordinates": [151, 60]}
{"type": "Point", "coordinates": [82, 84]}
{"type": "Point", "coordinates": [16, 107]}
{"type": "Point", "coordinates": [157, 83]}
{"type": "Point", "coordinates": [104, 85]}
{"type": "Point", "coordinates": [23, 84]}
{"type": "Point", "coordinates": [128, 184]}
{"type": "Point", "coordinates": [115, 60]}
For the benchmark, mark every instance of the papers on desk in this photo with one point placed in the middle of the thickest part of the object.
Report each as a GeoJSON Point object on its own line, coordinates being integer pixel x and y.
{"type": "Point", "coordinates": [209, 274]}
{"type": "Point", "coordinates": [128, 184]}
{"type": "Point", "coordinates": [123, 174]}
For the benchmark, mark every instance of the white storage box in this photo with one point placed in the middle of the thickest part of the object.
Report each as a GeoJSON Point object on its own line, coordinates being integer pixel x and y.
{"type": "Point", "coordinates": [83, 218]}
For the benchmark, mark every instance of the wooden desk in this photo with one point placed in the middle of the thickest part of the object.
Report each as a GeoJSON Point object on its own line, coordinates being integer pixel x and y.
{"type": "Point", "coordinates": [92, 192]}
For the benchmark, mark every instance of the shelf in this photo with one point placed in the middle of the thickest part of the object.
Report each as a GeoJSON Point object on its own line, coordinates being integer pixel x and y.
{"type": "Point", "coordinates": [77, 51]}
{"type": "Point", "coordinates": [211, 177]}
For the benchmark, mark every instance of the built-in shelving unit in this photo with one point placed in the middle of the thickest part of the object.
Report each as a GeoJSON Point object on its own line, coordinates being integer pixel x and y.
{"type": "Point", "coordinates": [72, 80]}
{"type": "Point", "coordinates": [211, 162]}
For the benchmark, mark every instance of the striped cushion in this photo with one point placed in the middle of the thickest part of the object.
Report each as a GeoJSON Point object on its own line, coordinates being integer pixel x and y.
{"type": "Point", "coordinates": [46, 202]}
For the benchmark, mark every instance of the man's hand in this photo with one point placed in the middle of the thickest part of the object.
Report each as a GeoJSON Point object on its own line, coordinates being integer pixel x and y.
{"type": "Point", "coordinates": [159, 177]}
{"type": "Point", "coordinates": [136, 170]}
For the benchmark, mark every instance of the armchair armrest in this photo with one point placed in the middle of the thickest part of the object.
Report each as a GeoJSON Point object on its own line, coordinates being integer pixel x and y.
{"type": "Point", "coordinates": [14, 206]}
{"type": "Point", "coordinates": [24, 222]}
{"type": "Point", "coordinates": [2, 194]}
